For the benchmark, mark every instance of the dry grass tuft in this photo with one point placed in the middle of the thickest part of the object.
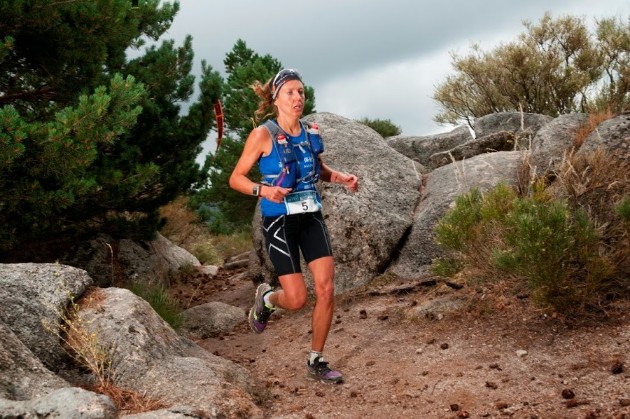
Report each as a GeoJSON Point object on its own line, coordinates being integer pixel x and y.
{"type": "Point", "coordinates": [92, 298]}
{"type": "Point", "coordinates": [598, 182]}
{"type": "Point", "coordinates": [594, 181]}
{"type": "Point", "coordinates": [126, 401]}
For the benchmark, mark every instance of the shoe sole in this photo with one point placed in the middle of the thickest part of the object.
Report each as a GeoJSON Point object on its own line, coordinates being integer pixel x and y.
{"type": "Point", "coordinates": [251, 321]}
{"type": "Point", "coordinates": [253, 309]}
{"type": "Point", "coordinates": [323, 380]}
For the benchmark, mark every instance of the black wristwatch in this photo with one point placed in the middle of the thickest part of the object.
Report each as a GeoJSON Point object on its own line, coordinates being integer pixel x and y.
{"type": "Point", "coordinates": [256, 189]}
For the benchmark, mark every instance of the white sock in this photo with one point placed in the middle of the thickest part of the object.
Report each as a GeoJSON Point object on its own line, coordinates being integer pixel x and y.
{"type": "Point", "coordinates": [314, 355]}
{"type": "Point", "coordinates": [267, 301]}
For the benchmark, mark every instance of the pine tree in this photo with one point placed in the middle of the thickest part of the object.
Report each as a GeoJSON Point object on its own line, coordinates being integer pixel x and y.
{"type": "Point", "coordinates": [89, 141]}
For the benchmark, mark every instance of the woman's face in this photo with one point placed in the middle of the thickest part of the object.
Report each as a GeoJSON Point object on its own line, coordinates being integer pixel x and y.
{"type": "Point", "coordinates": [290, 98]}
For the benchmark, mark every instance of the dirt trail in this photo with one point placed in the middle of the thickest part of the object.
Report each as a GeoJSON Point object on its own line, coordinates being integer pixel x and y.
{"type": "Point", "coordinates": [516, 362]}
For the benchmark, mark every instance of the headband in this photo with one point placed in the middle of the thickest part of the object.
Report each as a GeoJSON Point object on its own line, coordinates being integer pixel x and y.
{"type": "Point", "coordinates": [282, 77]}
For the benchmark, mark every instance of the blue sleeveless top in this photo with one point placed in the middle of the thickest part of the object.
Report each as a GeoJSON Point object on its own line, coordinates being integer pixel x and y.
{"type": "Point", "coordinates": [271, 166]}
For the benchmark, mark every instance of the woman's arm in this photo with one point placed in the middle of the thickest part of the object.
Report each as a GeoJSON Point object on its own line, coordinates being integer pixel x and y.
{"type": "Point", "coordinates": [327, 174]}
{"type": "Point", "coordinates": [253, 149]}
{"type": "Point", "coordinates": [256, 144]}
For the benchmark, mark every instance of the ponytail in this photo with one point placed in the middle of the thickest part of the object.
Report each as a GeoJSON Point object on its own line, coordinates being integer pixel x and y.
{"type": "Point", "coordinates": [266, 108]}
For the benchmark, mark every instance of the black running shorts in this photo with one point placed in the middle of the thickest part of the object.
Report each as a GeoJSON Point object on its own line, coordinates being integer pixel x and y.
{"type": "Point", "coordinates": [286, 235]}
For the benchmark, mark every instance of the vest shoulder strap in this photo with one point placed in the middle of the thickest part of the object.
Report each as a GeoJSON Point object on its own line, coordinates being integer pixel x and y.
{"type": "Point", "coordinates": [274, 129]}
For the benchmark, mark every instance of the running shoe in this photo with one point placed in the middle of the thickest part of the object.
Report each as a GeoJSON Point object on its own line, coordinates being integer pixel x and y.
{"type": "Point", "coordinates": [259, 313]}
{"type": "Point", "coordinates": [319, 370]}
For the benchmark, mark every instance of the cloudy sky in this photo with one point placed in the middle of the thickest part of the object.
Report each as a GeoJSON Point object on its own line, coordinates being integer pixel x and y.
{"type": "Point", "coordinates": [372, 58]}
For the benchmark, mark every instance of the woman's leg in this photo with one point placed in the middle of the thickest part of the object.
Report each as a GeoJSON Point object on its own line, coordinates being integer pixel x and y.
{"type": "Point", "coordinates": [323, 270]}
{"type": "Point", "coordinates": [281, 240]}
{"type": "Point", "coordinates": [293, 294]}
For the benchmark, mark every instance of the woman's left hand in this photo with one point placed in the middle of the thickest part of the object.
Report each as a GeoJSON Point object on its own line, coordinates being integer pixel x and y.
{"type": "Point", "coordinates": [350, 181]}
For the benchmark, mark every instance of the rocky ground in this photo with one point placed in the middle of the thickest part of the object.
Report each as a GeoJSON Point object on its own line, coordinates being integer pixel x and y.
{"type": "Point", "coordinates": [493, 356]}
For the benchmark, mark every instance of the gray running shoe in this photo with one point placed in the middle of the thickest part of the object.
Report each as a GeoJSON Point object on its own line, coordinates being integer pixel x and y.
{"type": "Point", "coordinates": [319, 370]}
{"type": "Point", "coordinates": [259, 313]}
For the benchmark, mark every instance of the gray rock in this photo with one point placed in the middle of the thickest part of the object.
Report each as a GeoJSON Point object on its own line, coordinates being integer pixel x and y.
{"type": "Point", "coordinates": [153, 261]}
{"type": "Point", "coordinates": [443, 186]}
{"type": "Point", "coordinates": [150, 358]}
{"type": "Point", "coordinates": [66, 403]}
{"type": "Point", "coordinates": [96, 256]}
{"type": "Point", "coordinates": [22, 375]}
{"type": "Point", "coordinates": [208, 270]}
{"type": "Point", "coordinates": [517, 122]}
{"type": "Point", "coordinates": [422, 148]}
{"type": "Point", "coordinates": [498, 141]}
{"type": "Point", "coordinates": [553, 141]}
{"type": "Point", "coordinates": [612, 135]}
{"type": "Point", "coordinates": [34, 297]}
{"type": "Point", "coordinates": [150, 261]}
{"type": "Point", "coordinates": [212, 319]}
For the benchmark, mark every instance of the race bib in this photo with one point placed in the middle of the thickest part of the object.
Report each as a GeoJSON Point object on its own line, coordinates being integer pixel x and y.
{"type": "Point", "coordinates": [302, 202]}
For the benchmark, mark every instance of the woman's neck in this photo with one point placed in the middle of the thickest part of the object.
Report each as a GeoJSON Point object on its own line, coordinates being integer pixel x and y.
{"type": "Point", "coordinates": [290, 125]}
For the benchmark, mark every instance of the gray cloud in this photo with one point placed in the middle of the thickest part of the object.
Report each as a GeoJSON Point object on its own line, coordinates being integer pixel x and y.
{"type": "Point", "coordinates": [376, 58]}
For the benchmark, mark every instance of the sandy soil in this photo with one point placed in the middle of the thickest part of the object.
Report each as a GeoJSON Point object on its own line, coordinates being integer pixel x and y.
{"type": "Point", "coordinates": [494, 356]}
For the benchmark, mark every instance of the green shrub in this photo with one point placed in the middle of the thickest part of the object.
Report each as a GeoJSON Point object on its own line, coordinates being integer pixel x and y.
{"type": "Point", "coordinates": [472, 229]}
{"type": "Point", "coordinates": [215, 219]}
{"type": "Point", "coordinates": [456, 229]}
{"type": "Point", "coordinates": [385, 127]}
{"type": "Point", "coordinates": [556, 249]}
{"type": "Point", "coordinates": [553, 247]}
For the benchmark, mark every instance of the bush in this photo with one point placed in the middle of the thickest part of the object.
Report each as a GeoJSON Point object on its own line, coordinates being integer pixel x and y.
{"type": "Point", "coordinates": [215, 220]}
{"type": "Point", "coordinates": [472, 228]}
{"type": "Point", "coordinates": [599, 183]}
{"type": "Point", "coordinates": [385, 127]}
{"type": "Point", "coordinates": [552, 246]}
{"type": "Point", "coordinates": [556, 250]}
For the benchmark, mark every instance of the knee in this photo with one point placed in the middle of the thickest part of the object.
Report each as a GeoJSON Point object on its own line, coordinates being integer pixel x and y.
{"type": "Point", "coordinates": [295, 301]}
{"type": "Point", "coordinates": [325, 292]}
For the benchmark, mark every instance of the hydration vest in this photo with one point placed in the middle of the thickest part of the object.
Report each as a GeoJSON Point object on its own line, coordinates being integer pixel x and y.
{"type": "Point", "coordinates": [288, 174]}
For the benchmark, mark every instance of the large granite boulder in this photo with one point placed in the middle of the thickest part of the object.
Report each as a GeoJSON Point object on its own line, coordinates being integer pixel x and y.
{"type": "Point", "coordinates": [421, 149]}
{"type": "Point", "coordinates": [148, 261]}
{"type": "Point", "coordinates": [613, 136]}
{"type": "Point", "coordinates": [443, 186]}
{"type": "Point", "coordinates": [524, 124]}
{"type": "Point", "coordinates": [365, 227]}
{"type": "Point", "coordinates": [150, 358]}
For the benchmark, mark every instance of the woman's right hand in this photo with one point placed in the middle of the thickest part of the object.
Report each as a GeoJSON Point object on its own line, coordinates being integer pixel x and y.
{"type": "Point", "coordinates": [274, 193]}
